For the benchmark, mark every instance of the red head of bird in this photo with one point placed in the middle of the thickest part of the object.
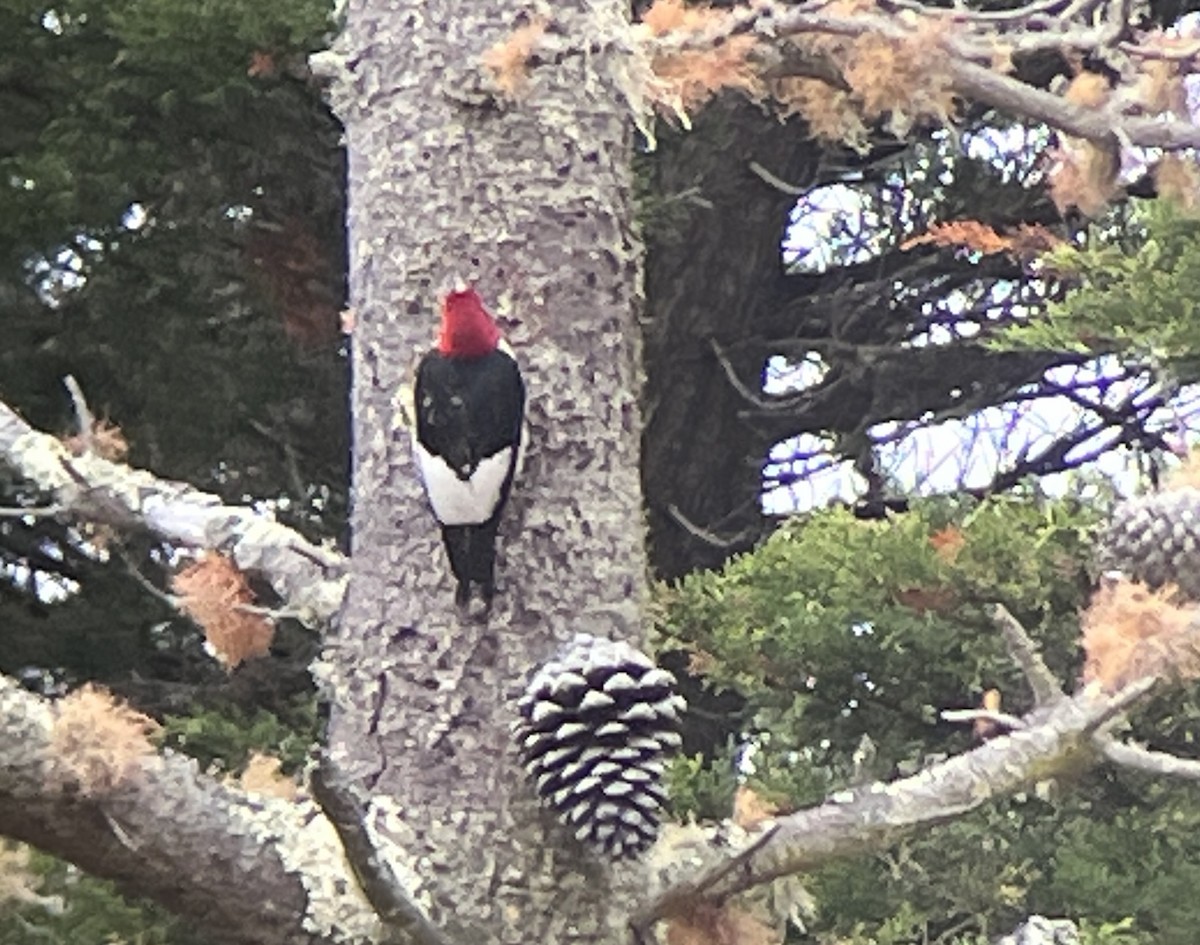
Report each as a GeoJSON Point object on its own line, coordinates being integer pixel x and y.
{"type": "Point", "coordinates": [468, 329]}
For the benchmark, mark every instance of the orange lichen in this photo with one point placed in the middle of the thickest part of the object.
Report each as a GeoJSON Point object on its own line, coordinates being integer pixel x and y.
{"type": "Point", "coordinates": [927, 600]}
{"type": "Point", "coordinates": [1160, 87]}
{"type": "Point", "coordinates": [214, 593]}
{"type": "Point", "coordinates": [674, 16]}
{"type": "Point", "coordinates": [1083, 176]}
{"type": "Point", "coordinates": [1026, 241]}
{"type": "Point", "coordinates": [263, 776]}
{"type": "Point", "coordinates": [1088, 89]}
{"type": "Point", "coordinates": [1178, 180]}
{"type": "Point", "coordinates": [707, 924]}
{"type": "Point", "coordinates": [898, 78]}
{"type": "Point", "coordinates": [689, 78]}
{"type": "Point", "coordinates": [830, 113]}
{"type": "Point", "coordinates": [98, 742]}
{"type": "Point", "coordinates": [508, 60]}
{"type": "Point", "coordinates": [750, 808]}
{"type": "Point", "coordinates": [106, 441]}
{"type": "Point", "coordinates": [948, 542]}
{"type": "Point", "coordinates": [986, 728]}
{"type": "Point", "coordinates": [1130, 631]}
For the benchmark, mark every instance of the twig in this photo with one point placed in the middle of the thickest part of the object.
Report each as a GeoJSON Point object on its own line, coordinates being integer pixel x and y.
{"type": "Point", "coordinates": [45, 511]}
{"type": "Point", "coordinates": [122, 837]}
{"type": "Point", "coordinates": [778, 183]}
{"type": "Point", "coordinates": [735, 381]}
{"type": "Point", "coordinates": [1144, 759]}
{"type": "Point", "coordinates": [1045, 686]}
{"type": "Point", "coordinates": [641, 923]}
{"type": "Point", "coordinates": [983, 715]}
{"type": "Point", "coordinates": [706, 536]}
{"type": "Point", "coordinates": [175, 603]}
{"type": "Point", "coordinates": [1181, 54]}
{"type": "Point", "coordinates": [1017, 15]}
{"type": "Point", "coordinates": [83, 416]}
{"type": "Point", "coordinates": [271, 613]}
{"type": "Point", "coordinates": [378, 881]}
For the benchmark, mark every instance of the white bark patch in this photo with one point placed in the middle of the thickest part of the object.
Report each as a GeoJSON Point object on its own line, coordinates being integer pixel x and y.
{"type": "Point", "coordinates": [336, 907]}
{"type": "Point", "coordinates": [388, 833]}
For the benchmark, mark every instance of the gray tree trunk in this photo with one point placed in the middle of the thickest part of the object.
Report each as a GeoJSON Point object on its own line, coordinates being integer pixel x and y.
{"type": "Point", "coordinates": [531, 201]}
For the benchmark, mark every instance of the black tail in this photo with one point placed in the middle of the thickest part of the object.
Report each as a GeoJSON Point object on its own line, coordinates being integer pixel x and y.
{"type": "Point", "coordinates": [472, 553]}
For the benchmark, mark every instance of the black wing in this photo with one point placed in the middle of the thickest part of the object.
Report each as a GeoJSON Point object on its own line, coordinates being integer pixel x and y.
{"type": "Point", "coordinates": [469, 409]}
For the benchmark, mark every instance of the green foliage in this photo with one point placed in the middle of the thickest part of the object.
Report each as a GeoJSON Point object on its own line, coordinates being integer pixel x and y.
{"type": "Point", "coordinates": [856, 629]}
{"type": "Point", "coordinates": [1134, 294]}
{"type": "Point", "coordinates": [699, 788]}
{"type": "Point", "coordinates": [829, 603]}
{"type": "Point", "coordinates": [226, 738]}
{"type": "Point", "coordinates": [72, 908]}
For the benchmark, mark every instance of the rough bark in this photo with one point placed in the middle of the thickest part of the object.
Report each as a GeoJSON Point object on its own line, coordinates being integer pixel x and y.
{"type": "Point", "coordinates": [532, 203]}
{"type": "Point", "coordinates": [250, 868]}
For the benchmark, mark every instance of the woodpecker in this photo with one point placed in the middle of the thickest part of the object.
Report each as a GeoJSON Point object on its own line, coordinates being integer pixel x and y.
{"type": "Point", "coordinates": [470, 405]}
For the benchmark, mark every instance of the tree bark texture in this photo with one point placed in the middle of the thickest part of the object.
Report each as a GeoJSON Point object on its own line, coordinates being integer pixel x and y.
{"type": "Point", "coordinates": [531, 201]}
{"type": "Point", "coordinates": [251, 868]}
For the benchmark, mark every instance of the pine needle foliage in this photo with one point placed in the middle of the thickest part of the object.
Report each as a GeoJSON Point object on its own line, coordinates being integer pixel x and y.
{"type": "Point", "coordinates": [1135, 295]}
{"type": "Point", "coordinates": [843, 633]}
{"type": "Point", "coordinates": [72, 908]}
{"type": "Point", "coordinates": [228, 740]}
{"type": "Point", "coordinates": [857, 628]}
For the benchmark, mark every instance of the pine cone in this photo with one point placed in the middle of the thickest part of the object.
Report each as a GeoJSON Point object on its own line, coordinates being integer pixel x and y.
{"type": "Point", "coordinates": [1155, 539]}
{"type": "Point", "coordinates": [596, 725]}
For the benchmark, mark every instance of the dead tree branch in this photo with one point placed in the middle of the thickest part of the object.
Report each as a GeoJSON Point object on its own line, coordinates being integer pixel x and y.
{"type": "Point", "coordinates": [971, 55]}
{"type": "Point", "coordinates": [1153, 762]}
{"type": "Point", "coordinates": [1046, 689]}
{"type": "Point", "coordinates": [254, 869]}
{"type": "Point", "coordinates": [402, 916]}
{"type": "Point", "coordinates": [874, 816]}
{"type": "Point", "coordinates": [309, 578]}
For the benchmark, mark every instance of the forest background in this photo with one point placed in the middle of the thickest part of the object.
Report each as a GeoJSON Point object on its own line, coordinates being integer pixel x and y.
{"type": "Point", "coordinates": [830, 315]}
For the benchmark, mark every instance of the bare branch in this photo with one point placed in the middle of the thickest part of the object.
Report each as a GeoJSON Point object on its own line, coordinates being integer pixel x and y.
{"type": "Point", "coordinates": [1144, 759]}
{"type": "Point", "coordinates": [44, 511]}
{"type": "Point", "coordinates": [875, 816]}
{"type": "Point", "coordinates": [375, 875]}
{"type": "Point", "coordinates": [704, 534]}
{"type": "Point", "coordinates": [83, 416]}
{"type": "Point", "coordinates": [94, 488]}
{"type": "Point", "coordinates": [251, 868]}
{"type": "Point", "coordinates": [1045, 686]}
{"type": "Point", "coordinates": [778, 183]}
{"type": "Point", "coordinates": [736, 382]}
{"type": "Point", "coordinates": [1104, 126]}
{"type": "Point", "coordinates": [983, 715]}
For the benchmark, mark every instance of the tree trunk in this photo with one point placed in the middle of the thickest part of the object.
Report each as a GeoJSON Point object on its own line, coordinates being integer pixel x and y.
{"type": "Point", "coordinates": [531, 202]}
{"type": "Point", "coordinates": [713, 257]}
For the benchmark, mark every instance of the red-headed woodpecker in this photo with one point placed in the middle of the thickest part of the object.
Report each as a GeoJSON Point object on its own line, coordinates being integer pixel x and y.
{"type": "Point", "coordinates": [470, 404]}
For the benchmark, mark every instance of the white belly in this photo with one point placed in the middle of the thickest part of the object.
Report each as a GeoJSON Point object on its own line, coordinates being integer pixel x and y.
{"type": "Point", "coordinates": [463, 502]}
